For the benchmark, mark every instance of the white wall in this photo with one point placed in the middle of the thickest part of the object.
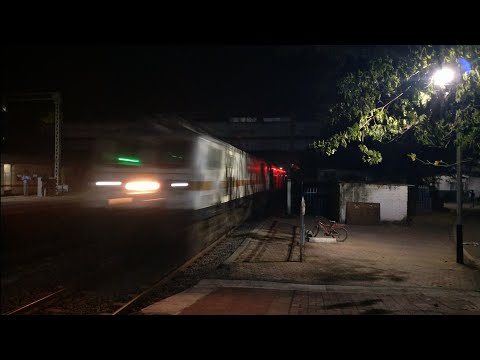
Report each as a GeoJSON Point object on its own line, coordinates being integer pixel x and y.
{"type": "Point", "coordinates": [449, 183]}
{"type": "Point", "coordinates": [393, 199]}
{"type": "Point", "coordinates": [446, 183]}
{"type": "Point", "coordinates": [473, 183]}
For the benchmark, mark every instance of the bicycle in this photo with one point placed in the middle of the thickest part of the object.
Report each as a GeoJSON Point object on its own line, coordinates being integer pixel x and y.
{"type": "Point", "coordinates": [333, 229]}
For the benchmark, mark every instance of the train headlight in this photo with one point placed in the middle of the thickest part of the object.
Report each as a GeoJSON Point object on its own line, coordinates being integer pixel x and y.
{"type": "Point", "coordinates": [108, 183]}
{"type": "Point", "coordinates": [179, 184]}
{"type": "Point", "coordinates": [142, 186]}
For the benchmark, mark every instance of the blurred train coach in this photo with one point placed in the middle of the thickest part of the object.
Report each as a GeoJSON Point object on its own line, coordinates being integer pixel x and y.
{"type": "Point", "coordinates": [172, 165]}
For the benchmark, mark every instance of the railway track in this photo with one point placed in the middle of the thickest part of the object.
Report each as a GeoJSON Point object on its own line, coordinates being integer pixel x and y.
{"type": "Point", "coordinates": [181, 278]}
{"type": "Point", "coordinates": [73, 301]}
{"type": "Point", "coordinates": [197, 258]}
{"type": "Point", "coordinates": [38, 304]}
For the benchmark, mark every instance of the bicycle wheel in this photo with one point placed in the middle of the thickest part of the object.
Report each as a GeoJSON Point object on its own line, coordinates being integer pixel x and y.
{"type": "Point", "coordinates": [340, 234]}
{"type": "Point", "coordinates": [315, 230]}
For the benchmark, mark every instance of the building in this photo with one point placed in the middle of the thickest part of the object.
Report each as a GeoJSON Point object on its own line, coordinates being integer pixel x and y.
{"type": "Point", "coordinates": [278, 138]}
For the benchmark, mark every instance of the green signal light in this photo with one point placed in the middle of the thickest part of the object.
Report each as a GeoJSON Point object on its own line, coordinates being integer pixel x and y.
{"type": "Point", "coordinates": [135, 161]}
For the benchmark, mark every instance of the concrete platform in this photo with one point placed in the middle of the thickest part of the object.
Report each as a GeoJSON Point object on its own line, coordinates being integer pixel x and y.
{"type": "Point", "coordinates": [383, 269]}
{"type": "Point", "coordinates": [322, 240]}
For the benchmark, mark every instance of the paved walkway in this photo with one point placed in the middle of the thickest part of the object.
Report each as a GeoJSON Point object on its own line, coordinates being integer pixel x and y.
{"type": "Point", "coordinates": [241, 297]}
{"type": "Point", "coordinates": [384, 269]}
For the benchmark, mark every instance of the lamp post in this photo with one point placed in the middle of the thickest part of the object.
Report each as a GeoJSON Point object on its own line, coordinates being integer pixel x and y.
{"type": "Point", "coordinates": [442, 78]}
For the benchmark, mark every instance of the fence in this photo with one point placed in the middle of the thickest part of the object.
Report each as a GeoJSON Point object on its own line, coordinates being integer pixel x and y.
{"type": "Point", "coordinates": [316, 203]}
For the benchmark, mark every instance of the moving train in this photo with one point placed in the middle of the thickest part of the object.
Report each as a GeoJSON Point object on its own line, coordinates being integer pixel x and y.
{"type": "Point", "coordinates": [172, 164]}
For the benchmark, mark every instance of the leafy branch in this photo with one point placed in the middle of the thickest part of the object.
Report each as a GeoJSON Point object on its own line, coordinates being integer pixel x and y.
{"type": "Point", "coordinates": [394, 96]}
{"type": "Point", "coordinates": [441, 163]}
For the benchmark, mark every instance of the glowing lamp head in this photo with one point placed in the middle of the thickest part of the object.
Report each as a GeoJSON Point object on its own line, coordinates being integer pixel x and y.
{"type": "Point", "coordinates": [444, 76]}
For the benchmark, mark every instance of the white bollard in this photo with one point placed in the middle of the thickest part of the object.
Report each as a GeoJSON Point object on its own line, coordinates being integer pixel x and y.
{"type": "Point", "coordinates": [39, 186]}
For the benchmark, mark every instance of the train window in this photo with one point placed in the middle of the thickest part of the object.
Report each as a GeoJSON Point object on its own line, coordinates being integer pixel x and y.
{"type": "Point", "coordinates": [137, 152]}
{"type": "Point", "coordinates": [229, 159]}
{"type": "Point", "coordinates": [214, 158]}
{"type": "Point", "coordinates": [124, 152]}
{"type": "Point", "coordinates": [173, 153]}
{"type": "Point", "coordinates": [104, 151]}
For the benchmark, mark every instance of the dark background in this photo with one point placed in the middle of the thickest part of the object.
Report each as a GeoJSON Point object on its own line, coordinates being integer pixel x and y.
{"type": "Point", "coordinates": [123, 82]}
{"type": "Point", "coordinates": [103, 82]}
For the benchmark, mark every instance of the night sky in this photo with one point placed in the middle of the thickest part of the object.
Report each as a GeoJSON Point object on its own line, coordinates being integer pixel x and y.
{"type": "Point", "coordinates": [109, 83]}
{"type": "Point", "coordinates": [112, 82]}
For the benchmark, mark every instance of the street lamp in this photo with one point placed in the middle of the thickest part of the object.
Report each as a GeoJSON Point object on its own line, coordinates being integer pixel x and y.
{"type": "Point", "coordinates": [443, 77]}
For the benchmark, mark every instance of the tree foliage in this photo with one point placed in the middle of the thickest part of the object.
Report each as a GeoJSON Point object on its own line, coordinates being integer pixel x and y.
{"type": "Point", "coordinates": [394, 95]}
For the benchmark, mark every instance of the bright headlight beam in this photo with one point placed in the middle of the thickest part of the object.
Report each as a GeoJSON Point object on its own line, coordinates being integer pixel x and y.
{"type": "Point", "coordinates": [108, 183]}
{"type": "Point", "coordinates": [142, 186]}
{"type": "Point", "coordinates": [179, 184]}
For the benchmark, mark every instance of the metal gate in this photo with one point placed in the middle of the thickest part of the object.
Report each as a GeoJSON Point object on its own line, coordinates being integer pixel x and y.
{"type": "Point", "coordinates": [315, 202]}
{"type": "Point", "coordinates": [423, 203]}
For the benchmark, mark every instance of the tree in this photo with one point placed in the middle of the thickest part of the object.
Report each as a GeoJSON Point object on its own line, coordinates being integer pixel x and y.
{"type": "Point", "coordinates": [394, 95]}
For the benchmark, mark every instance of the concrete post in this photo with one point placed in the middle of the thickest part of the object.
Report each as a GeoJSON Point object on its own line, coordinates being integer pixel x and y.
{"type": "Point", "coordinates": [302, 229]}
{"type": "Point", "coordinates": [302, 221]}
{"type": "Point", "coordinates": [459, 205]}
{"type": "Point", "coordinates": [39, 186]}
{"type": "Point", "coordinates": [289, 196]}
